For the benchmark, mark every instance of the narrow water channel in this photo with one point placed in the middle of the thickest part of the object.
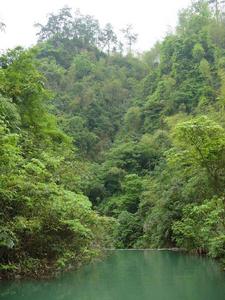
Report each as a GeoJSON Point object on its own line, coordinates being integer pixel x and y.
{"type": "Point", "coordinates": [129, 275]}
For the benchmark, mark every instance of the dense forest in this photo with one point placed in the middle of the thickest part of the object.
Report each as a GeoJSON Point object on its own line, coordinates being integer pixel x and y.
{"type": "Point", "coordinates": [101, 147]}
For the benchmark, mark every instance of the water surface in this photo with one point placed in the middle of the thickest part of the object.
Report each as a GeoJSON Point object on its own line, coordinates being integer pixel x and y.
{"type": "Point", "coordinates": [129, 275]}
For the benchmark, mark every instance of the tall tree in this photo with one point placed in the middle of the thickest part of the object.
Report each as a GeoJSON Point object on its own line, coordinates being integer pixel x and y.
{"type": "Point", "coordinates": [218, 7]}
{"type": "Point", "coordinates": [68, 25]}
{"type": "Point", "coordinates": [2, 26]}
{"type": "Point", "coordinates": [129, 36]}
{"type": "Point", "coordinates": [108, 38]}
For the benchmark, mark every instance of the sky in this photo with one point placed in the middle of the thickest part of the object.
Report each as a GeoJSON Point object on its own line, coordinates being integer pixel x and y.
{"type": "Point", "coordinates": [151, 19]}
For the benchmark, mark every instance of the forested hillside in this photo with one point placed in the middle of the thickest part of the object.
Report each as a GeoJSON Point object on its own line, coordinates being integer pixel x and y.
{"type": "Point", "coordinates": [102, 147]}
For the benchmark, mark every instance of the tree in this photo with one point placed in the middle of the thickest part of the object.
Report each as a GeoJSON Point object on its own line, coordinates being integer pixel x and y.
{"type": "Point", "coordinates": [24, 84]}
{"type": "Point", "coordinates": [108, 38]}
{"type": "Point", "coordinates": [2, 26]}
{"type": "Point", "coordinates": [206, 148]}
{"type": "Point", "coordinates": [218, 7]}
{"type": "Point", "coordinates": [202, 228]}
{"type": "Point", "coordinates": [66, 25]}
{"type": "Point", "coordinates": [129, 36]}
{"type": "Point", "coordinates": [133, 120]}
{"type": "Point", "coordinates": [59, 25]}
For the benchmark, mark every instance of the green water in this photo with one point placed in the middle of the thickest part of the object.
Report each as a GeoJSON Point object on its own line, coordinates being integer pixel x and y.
{"type": "Point", "coordinates": [129, 275]}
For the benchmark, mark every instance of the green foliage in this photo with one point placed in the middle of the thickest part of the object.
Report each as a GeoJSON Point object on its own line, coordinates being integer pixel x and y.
{"type": "Point", "coordinates": [149, 129]}
{"type": "Point", "coordinates": [202, 228]}
{"type": "Point", "coordinates": [9, 114]}
{"type": "Point", "coordinates": [40, 220]}
{"type": "Point", "coordinates": [133, 119]}
{"type": "Point", "coordinates": [198, 52]}
{"type": "Point", "coordinates": [46, 223]}
{"type": "Point", "coordinates": [206, 148]}
{"type": "Point", "coordinates": [129, 230]}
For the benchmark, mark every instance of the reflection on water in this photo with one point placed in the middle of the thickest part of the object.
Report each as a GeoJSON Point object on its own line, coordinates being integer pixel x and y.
{"type": "Point", "coordinates": [129, 275]}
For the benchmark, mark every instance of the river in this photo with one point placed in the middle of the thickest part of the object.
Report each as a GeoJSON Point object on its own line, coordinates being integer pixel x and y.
{"type": "Point", "coordinates": [129, 275]}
